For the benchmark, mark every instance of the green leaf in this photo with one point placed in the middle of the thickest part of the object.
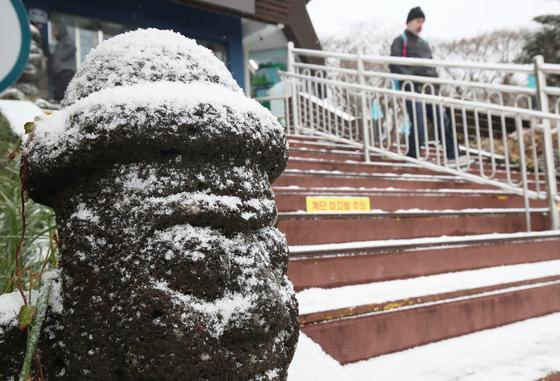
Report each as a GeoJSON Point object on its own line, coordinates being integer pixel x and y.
{"type": "Point", "coordinates": [26, 315]}
{"type": "Point", "coordinates": [29, 127]}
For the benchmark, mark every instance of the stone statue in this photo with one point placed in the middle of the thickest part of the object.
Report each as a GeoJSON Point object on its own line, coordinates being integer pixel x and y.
{"type": "Point", "coordinates": [159, 170]}
{"type": "Point", "coordinates": [32, 84]}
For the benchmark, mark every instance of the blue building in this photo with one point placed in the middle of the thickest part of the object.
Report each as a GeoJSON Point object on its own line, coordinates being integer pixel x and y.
{"type": "Point", "coordinates": [242, 33]}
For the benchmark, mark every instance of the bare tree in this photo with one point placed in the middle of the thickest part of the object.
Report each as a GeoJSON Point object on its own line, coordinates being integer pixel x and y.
{"type": "Point", "coordinates": [500, 46]}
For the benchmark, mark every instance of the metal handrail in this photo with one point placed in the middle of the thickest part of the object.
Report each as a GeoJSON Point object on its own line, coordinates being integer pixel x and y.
{"type": "Point", "coordinates": [510, 111]}
{"type": "Point", "coordinates": [442, 81]}
{"type": "Point", "coordinates": [550, 68]}
{"type": "Point", "coordinates": [537, 69]}
{"type": "Point", "coordinates": [376, 120]}
{"type": "Point", "coordinates": [512, 68]}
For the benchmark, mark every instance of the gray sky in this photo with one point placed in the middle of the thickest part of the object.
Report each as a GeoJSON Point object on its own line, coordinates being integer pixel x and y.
{"type": "Point", "coordinates": [445, 19]}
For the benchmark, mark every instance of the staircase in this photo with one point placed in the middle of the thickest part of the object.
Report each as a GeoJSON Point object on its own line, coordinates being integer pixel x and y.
{"type": "Point", "coordinates": [435, 257]}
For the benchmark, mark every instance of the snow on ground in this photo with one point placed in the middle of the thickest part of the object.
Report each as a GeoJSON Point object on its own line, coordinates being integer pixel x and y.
{"type": "Point", "coordinates": [318, 299]}
{"type": "Point", "coordinates": [18, 113]}
{"type": "Point", "coordinates": [10, 303]}
{"type": "Point", "coordinates": [310, 363]}
{"type": "Point", "coordinates": [9, 308]}
{"type": "Point", "coordinates": [523, 351]}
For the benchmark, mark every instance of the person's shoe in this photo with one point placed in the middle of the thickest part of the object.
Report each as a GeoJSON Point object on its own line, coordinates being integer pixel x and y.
{"type": "Point", "coordinates": [461, 161]}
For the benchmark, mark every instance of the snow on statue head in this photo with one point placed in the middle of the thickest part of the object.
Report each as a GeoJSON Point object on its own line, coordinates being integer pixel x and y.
{"type": "Point", "coordinates": [159, 170]}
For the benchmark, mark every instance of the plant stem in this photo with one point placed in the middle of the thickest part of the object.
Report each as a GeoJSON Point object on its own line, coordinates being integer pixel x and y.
{"type": "Point", "coordinates": [23, 178]}
{"type": "Point", "coordinates": [38, 368]}
{"type": "Point", "coordinates": [34, 332]}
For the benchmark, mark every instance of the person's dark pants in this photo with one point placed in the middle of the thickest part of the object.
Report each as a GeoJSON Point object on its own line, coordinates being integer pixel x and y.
{"type": "Point", "coordinates": [444, 125]}
{"type": "Point", "coordinates": [61, 81]}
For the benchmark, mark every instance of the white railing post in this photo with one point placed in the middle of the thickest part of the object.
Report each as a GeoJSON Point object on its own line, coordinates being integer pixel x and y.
{"type": "Point", "coordinates": [540, 79]}
{"type": "Point", "coordinates": [364, 106]}
{"type": "Point", "coordinates": [293, 87]}
{"type": "Point", "coordinates": [550, 170]}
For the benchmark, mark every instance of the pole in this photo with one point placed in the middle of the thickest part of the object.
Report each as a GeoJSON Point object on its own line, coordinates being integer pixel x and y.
{"type": "Point", "coordinates": [550, 170]}
{"type": "Point", "coordinates": [293, 86]}
{"type": "Point", "coordinates": [364, 107]}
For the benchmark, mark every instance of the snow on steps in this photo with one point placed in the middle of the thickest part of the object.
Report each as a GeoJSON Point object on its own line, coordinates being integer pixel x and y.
{"type": "Point", "coordinates": [367, 328]}
{"type": "Point", "coordinates": [358, 322]}
{"type": "Point", "coordinates": [317, 300]}
{"type": "Point", "coordinates": [404, 173]}
{"type": "Point", "coordinates": [319, 228]}
{"type": "Point", "coordinates": [377, 165]}
{"type": "Point", "coordinates": [335, 265]}
{"type": "Point", "coordinates": [523, 351]}
{"type": "Point", "coordinates": [325, 148]}
{"type": "Point", "coordinates": [364, 190]}
{"type": "Point", "coordinates": [312, 363]}
{"type": "Point", "coordinates": [318, 178]}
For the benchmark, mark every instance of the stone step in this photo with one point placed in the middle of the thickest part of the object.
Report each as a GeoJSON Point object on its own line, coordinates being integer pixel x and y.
{"type": "Point", "coordinates": [293, 201]}
{"type": "Point", "coordinates": [421, 228]}
{"type": "Point", "coordinates": [317, 144]}
{"type": "Point", "coordinates": [551, 377]}
{"type": "Point", "coordinates": [393, 174]}
{"type": "Point", "coordinates": [309, 138]}
{"type": "Point", "coordinates": [319, 228]}
{"type": "Point", "coordinates": [337, 154]}
{"type": "Point", "coordinates": [401, 314]}
{"type": "Point", "coordinates": [303, 163]}
{"type": "Point", "coordinates": [527, 350]}
{"type": "Point", "coordinates": [380, 166]}
{"type": "Point", "coordinates": [335, 151]}
{"type": "Point", "coordinates": [311, 178]}
{"type": "Point", "coordinates": [335, 265]}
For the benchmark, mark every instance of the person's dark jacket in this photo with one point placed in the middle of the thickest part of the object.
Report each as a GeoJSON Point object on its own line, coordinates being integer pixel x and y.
{"type": "Point", "coordinates": [416, 48]}
{"type": "Point", "coordinates": [64, 57]}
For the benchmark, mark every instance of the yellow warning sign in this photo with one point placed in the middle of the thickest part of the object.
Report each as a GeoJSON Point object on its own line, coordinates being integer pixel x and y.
{"type": "Point", "coordinates": [337, 204]}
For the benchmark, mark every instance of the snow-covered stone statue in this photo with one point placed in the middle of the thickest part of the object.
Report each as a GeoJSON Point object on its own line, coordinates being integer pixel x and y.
{"type": "Point", "coordinates": [159, 170]}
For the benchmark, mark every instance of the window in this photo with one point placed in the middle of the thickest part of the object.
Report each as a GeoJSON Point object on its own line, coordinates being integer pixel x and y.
{"type": "Point", "coordinates": [86, 33]}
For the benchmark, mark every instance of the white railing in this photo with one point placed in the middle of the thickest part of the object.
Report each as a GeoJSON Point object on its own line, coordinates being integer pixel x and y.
{"type": "Point", "coordinates": [344, 66]}
{"type": "Point", "coordinates": [502, 135]}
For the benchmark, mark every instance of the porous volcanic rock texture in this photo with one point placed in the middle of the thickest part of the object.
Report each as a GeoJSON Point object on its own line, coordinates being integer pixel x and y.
{"type": "Point", "coordinates": [159, 171]}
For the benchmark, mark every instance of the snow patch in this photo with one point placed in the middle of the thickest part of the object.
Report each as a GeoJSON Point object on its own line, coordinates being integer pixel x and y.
{"type": "Point", "coordinates": [218, 313]}
{"type": "Point", "coordinates": [523, 351]}
{"type": "Point", "coordinates": [84, 214]}
{"type": "Point", "coordinates": [317, 299]}
{"type": "Point", "coordinates": [147, 55]}
{"type": "Point", "coordinates": [151, 97]}
{"type": "Point", "coordinates": [312, 363]}
{"type": "Point", "coordinates": [10, 303]}
{"type": "Point", "coordinates": [18, 113]}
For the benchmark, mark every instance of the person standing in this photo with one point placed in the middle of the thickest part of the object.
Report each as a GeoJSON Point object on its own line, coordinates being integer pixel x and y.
{"type": "Point", "coordinates": [410, 44]}
{"type": "Point", "coordinates": [63, 60]}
